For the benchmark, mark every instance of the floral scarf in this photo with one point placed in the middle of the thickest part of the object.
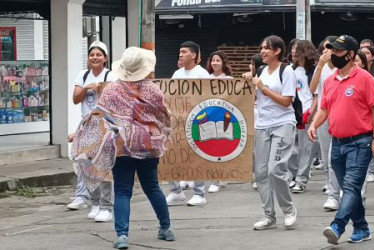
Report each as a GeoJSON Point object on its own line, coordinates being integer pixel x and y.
{"type": "Point", "coordinates": [131, 119]}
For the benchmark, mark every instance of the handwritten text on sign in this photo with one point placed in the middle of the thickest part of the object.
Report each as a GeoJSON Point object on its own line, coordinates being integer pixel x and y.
{"type": "Point", "coordinates": [212, 129]}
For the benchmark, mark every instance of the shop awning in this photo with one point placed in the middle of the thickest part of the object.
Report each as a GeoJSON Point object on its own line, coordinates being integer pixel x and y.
{"type": "Point", "coordinates": [343, 5]}
{"type": "Point", "coordinates": [222, 6]}
{"type": "Point", "coordinates": [25, 6]}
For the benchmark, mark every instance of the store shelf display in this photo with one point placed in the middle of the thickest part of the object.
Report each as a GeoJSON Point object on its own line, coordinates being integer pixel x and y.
{"type": "Point", "coordinates": [24, 91]}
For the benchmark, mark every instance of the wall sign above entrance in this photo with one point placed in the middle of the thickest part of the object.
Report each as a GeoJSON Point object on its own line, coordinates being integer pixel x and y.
{"type": "Point", "coordinates": [176, 4]}
{"type": "Point", "coordinates": [342, 1]}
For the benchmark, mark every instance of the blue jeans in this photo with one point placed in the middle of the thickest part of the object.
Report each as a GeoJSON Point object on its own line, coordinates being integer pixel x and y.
{"type": "Point", "coordinates": [350, 162]}
{"type": "Point", "coordinates": [123, 176]}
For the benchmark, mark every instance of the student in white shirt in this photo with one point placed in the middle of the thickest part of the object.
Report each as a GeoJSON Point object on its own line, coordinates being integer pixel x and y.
{"type": "Point", "coordinates": [325, 69]}
{"type": "Point", "coordinates": [189, 56]}
{"type": "Point", "coordinates": [275, 134]}
{"type": "Point", "coordinates": [218, 66]}
{"type": "Point", "coordinates": [304, 57]}
{"type": "Point", "coordinates": [86, 92]}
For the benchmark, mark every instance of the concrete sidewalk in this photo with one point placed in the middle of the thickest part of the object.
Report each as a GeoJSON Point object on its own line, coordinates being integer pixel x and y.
{"type": "Point", "coordinates": [224, 223]}
{"type": "Point", "coordinates": [54, 172]}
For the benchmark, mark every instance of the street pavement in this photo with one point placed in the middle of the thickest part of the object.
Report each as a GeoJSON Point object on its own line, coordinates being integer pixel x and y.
{"type": "Point", "coordinates": [225, 222]}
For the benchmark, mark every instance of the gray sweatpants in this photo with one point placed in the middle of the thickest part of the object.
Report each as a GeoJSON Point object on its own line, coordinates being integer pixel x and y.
{"type": "Point", "coordinates": [199, 187]}
{"type": "Point", "coordinates": [302, 156]}
{"type": "Point", "coordinates": [371, 166]}
{"type": "Point", "coordinates": [272, 150]}
{"type": "Point", "coordinates": [306, 155]}
{"type": "Point", "coordinates": [102, 196]}
{"type": "Point", "coordinates": [324, 139]}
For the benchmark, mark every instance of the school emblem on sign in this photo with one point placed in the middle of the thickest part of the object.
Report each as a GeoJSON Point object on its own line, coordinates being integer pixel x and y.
{"type": "Point", "coordinates": [216, 130]}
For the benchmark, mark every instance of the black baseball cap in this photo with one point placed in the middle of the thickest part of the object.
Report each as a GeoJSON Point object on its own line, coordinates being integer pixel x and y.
{"type": "Point", "coordinates": [344, 42]}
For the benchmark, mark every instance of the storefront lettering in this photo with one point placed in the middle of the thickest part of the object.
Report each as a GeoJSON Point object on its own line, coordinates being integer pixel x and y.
{"type": "Point", "coordinates": [191, 2]}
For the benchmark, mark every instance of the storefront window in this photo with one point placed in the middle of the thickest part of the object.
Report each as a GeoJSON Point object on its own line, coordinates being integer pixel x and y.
{"type": "Point", "coordinates": [8, 44]}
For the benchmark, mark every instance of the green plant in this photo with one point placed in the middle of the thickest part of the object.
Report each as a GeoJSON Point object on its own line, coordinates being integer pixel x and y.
{"type": "Point", "coordinates": [26, 191]}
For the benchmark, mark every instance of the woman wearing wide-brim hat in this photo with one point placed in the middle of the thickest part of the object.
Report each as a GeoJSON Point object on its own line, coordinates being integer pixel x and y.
{"type": "Point", "coordinates": [137, 105]}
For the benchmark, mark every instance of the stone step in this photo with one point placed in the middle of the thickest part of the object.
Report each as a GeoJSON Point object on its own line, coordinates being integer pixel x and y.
{"type": "Point", "coordinates": [31, 154]}
{"type": "Point", "coordinates": [43, 173]}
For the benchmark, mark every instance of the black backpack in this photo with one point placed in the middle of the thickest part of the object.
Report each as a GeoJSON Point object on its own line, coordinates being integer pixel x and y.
{"type": "Point", "coordinates": [296, 104]}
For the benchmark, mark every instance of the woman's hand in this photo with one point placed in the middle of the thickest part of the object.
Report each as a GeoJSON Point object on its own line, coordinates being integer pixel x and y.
{"type": "Point", "coordinates": [93, 86]}
{"type": "Point", "coordinates": [70, 137]}
{"type": "Point", "coordinates": [324, 58]}
{"type": "Point", "coordinates": [248, 75]}
{"type": "Point", "coordinates": [258, 83]}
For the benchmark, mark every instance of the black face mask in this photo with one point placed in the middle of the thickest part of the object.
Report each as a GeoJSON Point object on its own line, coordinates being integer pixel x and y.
{"type": "Point", "coordinates": [340, 61]}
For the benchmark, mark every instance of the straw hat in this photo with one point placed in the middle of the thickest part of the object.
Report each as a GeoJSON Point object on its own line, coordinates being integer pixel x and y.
{"type": "Point", "coordinates": [135, 64]}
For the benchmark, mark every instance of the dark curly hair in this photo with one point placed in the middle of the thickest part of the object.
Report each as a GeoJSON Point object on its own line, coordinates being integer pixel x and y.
{"type": "Point", "coordinates": [226, 68]}
{"type": "Point", "coordinates": [289, 49]}
{"type": "Point", "coordinates": [306, 49]}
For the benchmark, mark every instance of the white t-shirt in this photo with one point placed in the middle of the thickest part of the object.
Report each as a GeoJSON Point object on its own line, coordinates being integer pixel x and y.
{"type": "Point", "coordinates": [196, 72]}
{"type": "Point", "coordinates": [270, 113]}
{"type": "Point", "coordinates": [302, 87]}
{"type": "Point", "coordinates": [222, 76]}
{"type": "Point", "coordinates": [90, 101]}
{"type": "Point", "coordinates": [325, 73]}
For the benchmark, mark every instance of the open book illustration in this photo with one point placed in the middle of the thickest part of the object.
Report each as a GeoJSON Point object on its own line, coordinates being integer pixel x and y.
{"type": "Point", "coordinates": [210, 130]}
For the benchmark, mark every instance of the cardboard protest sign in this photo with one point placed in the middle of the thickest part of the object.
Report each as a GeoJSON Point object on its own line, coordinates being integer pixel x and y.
{"type": "Point", "coordinates": [212, 129]}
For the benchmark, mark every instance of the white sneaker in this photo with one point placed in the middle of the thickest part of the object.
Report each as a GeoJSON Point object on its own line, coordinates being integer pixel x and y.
{"type": "Point", "coordinates": [103, 215]}
{"type": "Point", "coordinates": [223, 183]}
{"type": "Point", "coordinates": [191, 184]}
{"type": "Point", "coordinates": [76, 204]}
{"type": "Point", "coordinates": [290, 219]}
{"type": "Point", "coordinates": [331, 204]}
{"type": "Point", "coordinates": [94, 211]}
{"type": "Point", "coordinates": [319, 167]}
{"type": "Point", "coordinates": [175, 199]}
{"type": "Point", "coordinates": [265, 223]}
{"type": "Point", "coordinates": [370, 177]}
{"type": "Point", "coordinates": [298, 188]}
{"type": "Point", "coordinates": [254, 185]}
{"type": "Point", "coordinates": [292, 184]}
{"type": "Point", "coordinates": [186, 184]}
{"type": "Point", "coordinates": [197, 200]}
{"type": "Point", "coordinates": [183, 184]}
{"type": "Point", "coordinates": [213, 188]}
